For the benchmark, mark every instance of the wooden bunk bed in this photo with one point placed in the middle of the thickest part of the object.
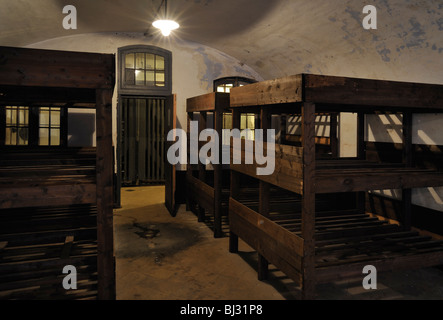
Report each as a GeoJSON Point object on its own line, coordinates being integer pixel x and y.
{"type": "Point", "coordinates": [313, 245]}
{"type": "Point", "coordinates": [56, 202]}
{"type": "Point", "coordinates": [208, 190]}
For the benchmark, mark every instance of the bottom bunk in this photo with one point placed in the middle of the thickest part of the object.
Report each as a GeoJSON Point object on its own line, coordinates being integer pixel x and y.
{"type": "Point", "coordinates": [37, 243]}
{"type": "Point", "coordinates": [346, 241]}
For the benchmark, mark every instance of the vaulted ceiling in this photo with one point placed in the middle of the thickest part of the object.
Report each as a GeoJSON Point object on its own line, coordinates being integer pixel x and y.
{"type": "Point", "coordinates": [275, 37]}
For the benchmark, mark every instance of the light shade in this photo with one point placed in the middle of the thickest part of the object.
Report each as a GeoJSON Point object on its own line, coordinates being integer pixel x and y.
{"type": "Point", "coordinates": [166, 26]}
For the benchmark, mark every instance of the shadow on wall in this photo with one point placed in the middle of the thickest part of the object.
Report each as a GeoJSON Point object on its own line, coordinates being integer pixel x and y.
{"type": "Point", "coordinates": [81, 129]}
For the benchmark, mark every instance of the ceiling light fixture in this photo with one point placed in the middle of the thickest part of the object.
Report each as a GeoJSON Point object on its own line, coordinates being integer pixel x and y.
{"type": "Point", "coordinates": [164, 24]}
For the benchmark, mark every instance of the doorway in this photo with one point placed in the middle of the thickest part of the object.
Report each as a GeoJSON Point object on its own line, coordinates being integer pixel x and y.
{"type": "Point", "coordinates": [142, 141]}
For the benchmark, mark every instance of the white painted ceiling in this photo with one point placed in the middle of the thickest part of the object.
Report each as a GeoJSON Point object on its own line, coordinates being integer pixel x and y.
{"type": "Point", "coordinates": [275, 37]}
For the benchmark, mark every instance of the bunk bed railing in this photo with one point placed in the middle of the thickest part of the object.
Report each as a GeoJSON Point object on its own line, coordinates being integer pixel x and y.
{"type": "Point", "coordinates": [288, 170]}
{"type": "Point", "coordinates": [280, 246]}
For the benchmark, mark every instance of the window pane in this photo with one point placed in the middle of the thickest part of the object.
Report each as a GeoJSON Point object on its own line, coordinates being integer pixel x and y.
{"type": "Point", "coordinates": [23, 136]}
{"type": "Point", "coordinates": [129, 61]}
{"type": "Point", "coordinates": [159, 63]}
{"type": "Point", "coordinates": [243, 121]}
{"type": "Point", "coordinates": [44, 117]}
{"type": "Point", "coordinates": [160, 78]}
{"type": "Point", "coordinates": [139, 77]}
{"type": "Point", "coordinates": [10, 137]}
{"type": "Point", "coordinates": [130, 77]}
{"type": "Point", "coordinates": [140, 61]}
{"type": "Point", "coordinates": [220, 89]}
{"type": "Point", "coordinates": [251, 121]}
{"type": "Point", "coordinates": [8, 116]}
{"type": "Point", "coordinates": [150, 78]}
{"type": "Point", "coordinates": [150, 61]}
{"type": "Point", "coordinates": [43, 137]}
{"type": "Point", "coordinates": [14, 116]}
{"type": "Point", "coordinates": [55, 137]}
{"type": "Point", "coordinates": [55, 118]}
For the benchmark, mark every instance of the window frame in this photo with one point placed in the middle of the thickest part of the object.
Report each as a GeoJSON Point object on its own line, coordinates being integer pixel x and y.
{"type": "Point", "coordinates": [128, 89]}
{"type": "Point", "coordinates": [34, 125]}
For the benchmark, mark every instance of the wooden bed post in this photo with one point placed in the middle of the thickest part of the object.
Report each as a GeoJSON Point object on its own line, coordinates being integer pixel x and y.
{"type": "Point", "coordinates": [218, 125]}
{"type": "Point", "coordinates": [105, 231]}
{"type": "Point", "coordinates": [201, 167]}
{"type": "Point", "coordinates": [235, 184]}
{"type": "Point", "coordinates": [264, 194]}
{"type": "Point", "coordinates": [308, 200]}
{"type": "Point", "coordinates": [188, 165]}
{"type": "Point", "coordinates": [361, 155]}
{"type": "Point", "coordinates": [333, 123]}
{"type": "Point", "coordinates": [407, 160]}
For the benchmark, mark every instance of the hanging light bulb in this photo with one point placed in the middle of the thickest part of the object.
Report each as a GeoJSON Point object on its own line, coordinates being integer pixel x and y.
{"type": "Point", "coordinates": [165, 25]}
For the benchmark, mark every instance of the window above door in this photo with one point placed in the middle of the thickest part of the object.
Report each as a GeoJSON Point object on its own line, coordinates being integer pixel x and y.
{"type": "Point", "coordinates": [145, 70]}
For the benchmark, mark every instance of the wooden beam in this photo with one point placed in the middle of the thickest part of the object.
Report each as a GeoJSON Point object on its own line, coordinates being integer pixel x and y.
{"type": "Point", "coordinates": [218, 178]}
{"type": "Point", "coordinates": [283, 90]}
{"type": "Point", "coordinates": [407, 160]}
{"type": "Point", "coordinates": [207, 102]}
{"type": "Point", "coordinates": [17, 197]}
{"type": "Point", "coordinates": [105, 231]}
{"type": "Point", "coordinates": [202, 125]}
{"type": "Point", "coordinates": [235, 185]}
{"type": "Point", "coordinates": [49, 68]}
{"type": "Point", "coordinates": [367, 92]}
{"type": "Point", "coordinates": [308, 200]}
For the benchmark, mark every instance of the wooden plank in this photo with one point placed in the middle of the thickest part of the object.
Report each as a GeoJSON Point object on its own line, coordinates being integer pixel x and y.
{"type": "Point", "coordinates": [207, 102]}
{"type": "Point", "coordinates": [283, 90]}
{"type": "Point", "coordinates": [52, 194]}
{"type": "Point", "coordinates": [308, 200]}
{"type": "Point", "coordinates": [277, 250]}
{"type": "Point", "coordinates": [49, 68]}
{"type": "Point", "coordinates": [288, 171]}
{"type": "Point", "coordinates": [293, 243]}
{"type": "Point", "coordinates": [105, 240]}
{"type": "Point", "coordinates": [368, 92]}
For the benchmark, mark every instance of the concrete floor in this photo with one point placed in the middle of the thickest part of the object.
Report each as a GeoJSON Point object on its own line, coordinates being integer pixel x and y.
{"type": "Point", "coordinates": [159, 257]}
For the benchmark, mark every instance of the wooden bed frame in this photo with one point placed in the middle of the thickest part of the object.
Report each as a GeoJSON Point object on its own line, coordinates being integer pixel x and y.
{"type": "Point", "coordinates": [55, 186]}
{"type": "Point", "coordinates": [313, 246]}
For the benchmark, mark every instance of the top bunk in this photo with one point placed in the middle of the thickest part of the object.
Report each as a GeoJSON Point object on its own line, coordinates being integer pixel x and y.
{"type": "Point", "coordinates": [332, 93]}
{"type": "Point", "coordinates": [210, 102]}
{"type": "Point", "coordinates": [57, 78]}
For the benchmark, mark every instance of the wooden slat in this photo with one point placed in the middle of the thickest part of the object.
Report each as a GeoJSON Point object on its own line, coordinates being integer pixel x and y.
{"type": "Point", "coordinates": [288, 167]}
{"type": "Point", "coordinates": [207, 102]}
{"type": "Point", "coordinates": [291, 242]}
{"type": "Point", "coordinates": [283, 90]}
{"type": "Point", "coordinates": [51, 194]}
